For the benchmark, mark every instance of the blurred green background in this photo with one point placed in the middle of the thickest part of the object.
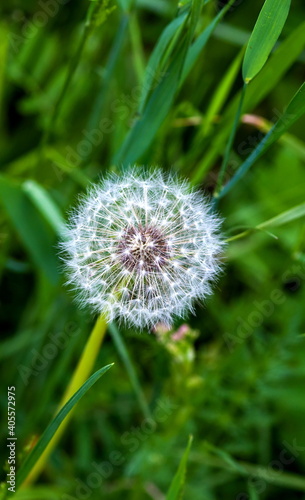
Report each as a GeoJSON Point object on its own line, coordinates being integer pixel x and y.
{"type": "Point", "coordinates": [233, 376]}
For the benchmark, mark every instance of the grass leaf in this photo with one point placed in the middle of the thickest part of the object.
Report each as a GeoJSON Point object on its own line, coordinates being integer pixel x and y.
{"type": "Point", "coordinates": [154, 65]}
{"type": "Point", "coordinates": [159, 103]}
{"type": "Point", "coordinates": [288, 216]}
{"type": "Point", "coordinates": [46, 437]}
{"type": "Point", "coordinates": [200, 42]}
{"type": "Point", "coordinates": [221, 93]}
{"type": "Point", "coordinates": [30, 227]}
{"type": "Point", "coordinates": [46, 206]}
{"type": "Point", "coordinates": [285, 217]}
{"type": "Point", "coordinates": [266, 31]}
{"type": "Point", "coordinates": [177, 484]}
{"type": "Point", "coordinates": [294, 111]}
{"type": "Point", "coordinates": [272, 73]}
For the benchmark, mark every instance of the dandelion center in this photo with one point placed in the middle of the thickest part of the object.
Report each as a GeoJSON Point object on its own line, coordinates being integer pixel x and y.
{"type": "Point", "coordinates": [143, 249]}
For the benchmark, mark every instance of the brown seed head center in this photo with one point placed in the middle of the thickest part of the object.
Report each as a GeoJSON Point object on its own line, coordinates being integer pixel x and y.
{"type": "Point", "coordinates": [143, 249]}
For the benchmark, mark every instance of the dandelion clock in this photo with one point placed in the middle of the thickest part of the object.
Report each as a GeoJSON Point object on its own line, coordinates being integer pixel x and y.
{"type": "Point", "coordinates": [142, 247]}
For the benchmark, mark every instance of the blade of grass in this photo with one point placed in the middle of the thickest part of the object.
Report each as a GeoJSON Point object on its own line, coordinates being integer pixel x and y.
{"type": "Point", "coordinates": [199, 44]}
{"type": "Point", "coordinates": [296, 144]}
{"type": "Point", "coordinates": [126, 5]}
{"type": "Point", "coordinates": [46, 206]}
{"type": "Point", "coordinates": [80, 374]}
{"type": "Point", "coordinates": [160, 54]}
{"type": "Point", "coordinates": [230, 143]}
{"type": "Point", "coordinates": [283, 218]}
{"type": "Point", "coordinates": [25, 165]}
{"type": "Point", "coordinates": [99, 101]}
{"type": "Point", "coordinates": [137, 46]}
{"type": "Point", "coordinates": [32, 230]}
{"type": "Point", "coordinates": [294, 110]}
{"type": "Point", "coordinates": [95, 12]}
{"type": "Point", "coordinates": [144, 130]}
{"type": "Point", "coordinates": [278, 64]}
{"type": "Point", "coordinates": [3, 59]}
{"type": "Point", "coordinates": [123, 352]}
{"type": "Point", "coordinates": [221, 93]}
{"type": "Point", "coordinates": [176, 487]}
{"type": "Point", "coordinates": [266, 31]}
{"type": "Point", "coordinates": [48, 434]}
{"type": "Point", "coordinates": [40, 493]}
{"type": "Point", "coordinates": [154, 66]}
{"type": "Point", "coordinates": [233, 464]}
{"type": "Point", "coordinates": [285, 479]}
{"type": "Point", "coordinates": [159, 103]}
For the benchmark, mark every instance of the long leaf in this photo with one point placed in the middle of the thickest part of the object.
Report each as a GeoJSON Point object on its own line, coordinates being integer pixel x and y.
{"type": "Point", "coordinates": [200, 42]}
{"type": "Point", "coordinates": [289, 215]}
{"type": "Point", "coordinates": [154, 66]}
{"type": "Point", "coordinates": [174, 492]}
{"type": "Point", "coordinates": [105, 78]}
{"type": "Point", "coordinates": [266, 31]}
{"type": "Point", "coordinates": [31, 228]}
{"type": "Point", "coordinates": [46, 206]}
{"type": "Point", "coordinates": [277, 65]}
{"type": "Point", "coordinates": [293, 112]}
{"type": "Point", "coordinates": [53, 426]}
{"type": "Point", "coordinates": [285, 217]}
{"type": "Point", "coordinates": [221, 93]}
{"type": "Point", "coordinates": [158, 105]}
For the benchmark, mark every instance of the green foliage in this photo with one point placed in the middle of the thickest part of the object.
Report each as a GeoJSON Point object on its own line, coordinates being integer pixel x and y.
{"type": "Point", "coordinates": [266, 31]}
{"type": "Point", "coordinates": [46, 437]}
{"type": "Point", "coordinates": [88, 87]}
{"type": "Point", "coordinates": [176, 487]}
{"type": "Point", "coordinates": [294, 110]}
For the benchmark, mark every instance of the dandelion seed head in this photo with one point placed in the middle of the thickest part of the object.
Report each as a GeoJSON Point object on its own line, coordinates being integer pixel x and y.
{"type": "Point", "coordinates": [142, 247]}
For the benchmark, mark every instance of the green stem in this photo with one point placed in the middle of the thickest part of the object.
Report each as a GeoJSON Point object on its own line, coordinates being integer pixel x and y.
{"type": "Point", "coordinates": [228, 149]}
{"type": "Point", "coordinates": [284, 479]}
{"type": "Point", "coordinates": [122, 350]}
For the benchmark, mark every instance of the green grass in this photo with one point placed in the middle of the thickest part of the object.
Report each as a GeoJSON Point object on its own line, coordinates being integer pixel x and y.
{"type": "Point", "coordinates": [89, 87]}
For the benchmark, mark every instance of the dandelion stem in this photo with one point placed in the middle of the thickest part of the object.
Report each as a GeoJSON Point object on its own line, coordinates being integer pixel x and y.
{"type": "Point", "coordinates": [80, 375]}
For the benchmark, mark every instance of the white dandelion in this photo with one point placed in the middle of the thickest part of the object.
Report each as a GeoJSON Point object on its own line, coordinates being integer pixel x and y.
{"type": "Point", "coordinates": [142, 247]}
